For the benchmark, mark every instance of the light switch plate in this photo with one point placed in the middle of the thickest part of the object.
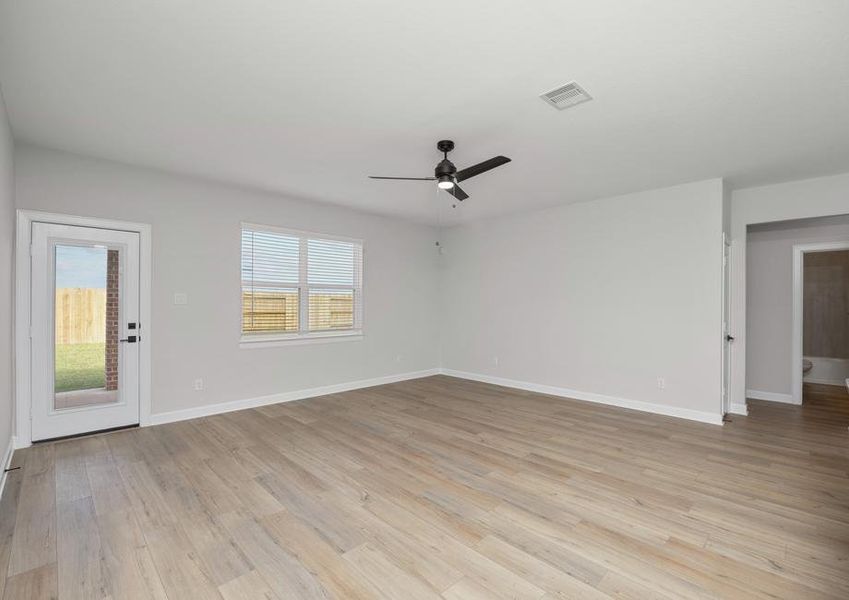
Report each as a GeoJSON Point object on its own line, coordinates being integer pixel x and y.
{"type": "Point", "coordinates": [181, 298]}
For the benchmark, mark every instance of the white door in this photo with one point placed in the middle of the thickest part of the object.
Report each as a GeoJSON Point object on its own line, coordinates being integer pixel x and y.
{"type": "Point", "coordinates": [727, 338]}
{"type": "Point", "coordinates": [85, 330]}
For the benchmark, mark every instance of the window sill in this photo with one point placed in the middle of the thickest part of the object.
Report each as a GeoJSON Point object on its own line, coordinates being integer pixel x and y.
{"type": "Point", "coordinates": [270, 341]}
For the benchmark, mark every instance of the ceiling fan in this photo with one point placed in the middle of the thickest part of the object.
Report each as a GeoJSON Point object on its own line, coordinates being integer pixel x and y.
{"type": "Point", "coordinates": [446, 174]}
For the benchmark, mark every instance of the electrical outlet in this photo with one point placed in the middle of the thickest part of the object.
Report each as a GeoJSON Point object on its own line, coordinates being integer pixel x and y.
{"type": "Point", "coordinates": [495, 360]}
{"type": "Point", "coordinates": [181, 298]}
{"type": "Point", "coordinates": [198, 385]}
{"type": "Point", "coordinates": [398, 358]}
{"type": "Point", "coordinates": [661, 383]}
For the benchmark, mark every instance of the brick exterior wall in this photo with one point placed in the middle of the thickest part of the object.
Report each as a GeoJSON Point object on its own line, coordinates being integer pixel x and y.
{"type": "Point", "coordinates": [112, 324]}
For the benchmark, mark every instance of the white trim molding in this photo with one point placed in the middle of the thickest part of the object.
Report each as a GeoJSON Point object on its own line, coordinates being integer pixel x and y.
{"type": "Point", "coordinates": [827, 371]}
{"type": "Point", "coordinates": [649, 407]}
{"type": "Point", "coordinates": [225, 407]}
{"type": "Point", "coordinates": [263, 341]}
{"type": "Point", "coordinates": [799, 251]}
{"type": "Point", "coordinates": [23, 275]}
{"type": "Point", "coordinates": [773, 396]}
{"type": "Point", "coordinates": [817, 380]}
{"type": "Point", "coordinates": [739, 409]}
{"type": "Point", "coordinates": [7, 460]}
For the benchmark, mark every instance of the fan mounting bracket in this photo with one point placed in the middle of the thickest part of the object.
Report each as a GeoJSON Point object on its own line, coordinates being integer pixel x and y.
{"type": "Point", "coordinates": [445, 145]}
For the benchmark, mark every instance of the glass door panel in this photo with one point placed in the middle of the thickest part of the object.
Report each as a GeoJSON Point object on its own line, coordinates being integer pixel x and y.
{"type": "Point", "coordinates": [85, 366]}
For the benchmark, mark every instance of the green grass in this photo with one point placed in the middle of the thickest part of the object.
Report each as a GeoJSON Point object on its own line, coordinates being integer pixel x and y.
{"type": "Point", "coordinates": [80, 367]}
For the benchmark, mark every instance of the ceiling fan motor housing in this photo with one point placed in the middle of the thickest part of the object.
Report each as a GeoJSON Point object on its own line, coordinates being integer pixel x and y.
{"type": "Point", "coordinates": [445, 168]}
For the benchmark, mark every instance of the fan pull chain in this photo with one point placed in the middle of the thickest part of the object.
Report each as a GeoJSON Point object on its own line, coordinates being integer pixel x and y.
{"type": "Point", "coordinates": [438, 223]}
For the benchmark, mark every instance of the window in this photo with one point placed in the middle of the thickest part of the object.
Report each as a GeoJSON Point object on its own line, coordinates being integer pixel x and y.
{"type": "Point", "coordinates": [299, 285]}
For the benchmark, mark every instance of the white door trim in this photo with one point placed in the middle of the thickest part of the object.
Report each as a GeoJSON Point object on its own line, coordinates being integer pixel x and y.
{"type": "Point", "coordinates": [23, 281]}
{"type": "Point", "coordinates": [799, 251]}
{"type": "Point", "coordinates": [727, 366]}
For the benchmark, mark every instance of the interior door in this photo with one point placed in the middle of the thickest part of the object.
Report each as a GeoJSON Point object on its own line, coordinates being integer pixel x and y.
{"type": "Point", "coordinates": [85, 330]}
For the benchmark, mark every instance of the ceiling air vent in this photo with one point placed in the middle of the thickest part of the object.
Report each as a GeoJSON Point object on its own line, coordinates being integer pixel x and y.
{"type": "Point", "coordinates": [566, 96]}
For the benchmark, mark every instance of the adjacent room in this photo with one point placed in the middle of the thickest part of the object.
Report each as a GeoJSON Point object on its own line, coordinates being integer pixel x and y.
{"type": "Point", "coordinates": [798, 307]}
{"type": "Point", "coordinates": [445, 300]}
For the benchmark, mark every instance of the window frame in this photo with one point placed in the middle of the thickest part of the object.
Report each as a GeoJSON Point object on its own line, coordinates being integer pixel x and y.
{"type": "Point", "coordinates": [304, 335]}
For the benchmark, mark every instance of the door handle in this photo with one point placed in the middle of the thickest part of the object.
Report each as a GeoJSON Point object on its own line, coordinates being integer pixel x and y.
{"type": "Point", "coordinates": [729, 338]}
{"type": "Point", "coordinates": [132, 339]}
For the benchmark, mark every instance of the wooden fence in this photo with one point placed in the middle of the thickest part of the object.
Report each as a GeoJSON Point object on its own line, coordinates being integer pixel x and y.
{"type": "Point", "coordinates": [80, 315]}
{"type": "Point", "coordinates": [264, 312]}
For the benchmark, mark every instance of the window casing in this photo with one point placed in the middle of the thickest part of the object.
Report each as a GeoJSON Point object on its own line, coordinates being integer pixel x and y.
{"type": "Point", "coordinates": [299, 286]}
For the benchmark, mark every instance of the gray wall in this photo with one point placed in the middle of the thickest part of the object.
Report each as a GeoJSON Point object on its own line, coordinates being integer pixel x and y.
{"type": "Point", "coordinates": [600, 297]}
{"type": "Point", "coordinates": [586, 263]}
{"type": "Point", "coordinates": [769, 296]}
{"type": "Point", "coordinates": [196, 250]}
{"type": "Point", "coordinates": [7, 229]}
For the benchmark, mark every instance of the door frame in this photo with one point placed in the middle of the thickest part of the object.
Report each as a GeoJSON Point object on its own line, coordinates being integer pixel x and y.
{"type": "Point", "coordinates": [727, 362]}
{"type": "Point", "coordinates": [23, 310]}
{"type": "Point", "coordinates": [796, 354]}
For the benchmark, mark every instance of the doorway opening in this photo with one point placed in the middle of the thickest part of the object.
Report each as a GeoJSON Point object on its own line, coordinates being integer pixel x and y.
{"type": "Point", "coordinates": [797, 307]}
{"type": "Point", "coordinates": [821, 319]}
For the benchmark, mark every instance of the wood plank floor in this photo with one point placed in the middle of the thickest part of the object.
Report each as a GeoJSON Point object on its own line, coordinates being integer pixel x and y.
{"type": "Point", "coordinates": [438, 488]}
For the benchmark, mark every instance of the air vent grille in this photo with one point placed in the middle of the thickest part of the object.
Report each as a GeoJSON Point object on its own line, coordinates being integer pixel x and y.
{"type": "Point", "coordinates": [566, 96]}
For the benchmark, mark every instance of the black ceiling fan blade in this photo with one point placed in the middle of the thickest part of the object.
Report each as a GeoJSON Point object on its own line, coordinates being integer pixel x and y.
{"type": "Point", "coordinates": [457, 192]}
{"type": "Point", "coordinates": [482, 167]}
{"type": "Point", "coordinates": [404, 178]}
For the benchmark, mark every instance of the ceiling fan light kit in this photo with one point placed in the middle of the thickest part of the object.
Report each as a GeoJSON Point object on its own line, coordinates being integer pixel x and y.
{"type": "Point", "coordinates": [446, 174]}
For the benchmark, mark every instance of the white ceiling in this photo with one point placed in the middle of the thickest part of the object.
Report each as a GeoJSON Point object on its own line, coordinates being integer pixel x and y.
{"type": "Point", "coordinates": [307, 98]}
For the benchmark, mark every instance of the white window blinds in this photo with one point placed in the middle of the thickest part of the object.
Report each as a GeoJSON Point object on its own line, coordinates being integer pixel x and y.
{"type": "Point", "coordinates": [299, 285]}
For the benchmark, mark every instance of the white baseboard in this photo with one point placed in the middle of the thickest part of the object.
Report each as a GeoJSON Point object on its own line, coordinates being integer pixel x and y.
{"type": "Point", "coordinates": [7, 460]}
{"type": "Point", "coordinates": [225, 407]}
{"type": "Point", "coordinates": [659, 409]}
{"type": "Point", "coordinates": [827, 371]}
{"type": "Point", "coordinates": [837, 382]}
{"type": "Point", "coordinates": [770, 396]}
{"type": "Point", "coordinates": [739, 409]}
